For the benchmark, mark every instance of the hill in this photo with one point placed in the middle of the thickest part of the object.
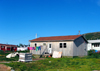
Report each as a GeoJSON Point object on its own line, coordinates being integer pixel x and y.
{"type": "Point", "coordinates": [92, 36]}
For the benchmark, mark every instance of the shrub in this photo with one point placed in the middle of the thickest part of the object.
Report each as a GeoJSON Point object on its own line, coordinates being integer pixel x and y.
{"type": "Point", "coordinates": [93, 54]}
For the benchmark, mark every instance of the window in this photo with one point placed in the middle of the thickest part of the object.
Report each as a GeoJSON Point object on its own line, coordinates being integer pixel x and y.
{"type": "Point", "coordinates": [44, 43]}
{"type": "Point", "coordinates": [62, 45]}
{"type": "Point", "coordinates": [95, 44]}
{"type": "Point", "coordinates": [2, 46]}
{"type": "Point", "coordinates": [35, 44]}
{"type": "Point", "coordinates": [49, 45]}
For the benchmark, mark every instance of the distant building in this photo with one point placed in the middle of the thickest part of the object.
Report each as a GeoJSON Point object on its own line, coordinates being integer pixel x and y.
{"type": "Point", "coordinates": [74, 45]}
{"type": "Point", "coordinates": [93, 44]}
{"type": "Point", "coordinates": [8, 47]}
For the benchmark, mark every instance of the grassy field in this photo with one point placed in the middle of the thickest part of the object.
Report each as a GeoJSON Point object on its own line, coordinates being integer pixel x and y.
{"type": "Point", "coordinates": [60, 64]}
{"type": "Point", "coordinates": [4, 54]}
{"type": "Point", "coordinates": [92, 36]}
{"type": "Point", "coordinates": [88, 63]}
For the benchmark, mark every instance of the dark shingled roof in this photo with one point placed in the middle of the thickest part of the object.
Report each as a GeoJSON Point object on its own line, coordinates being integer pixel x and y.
{"type": "Point", "coordinates": [55, 38]}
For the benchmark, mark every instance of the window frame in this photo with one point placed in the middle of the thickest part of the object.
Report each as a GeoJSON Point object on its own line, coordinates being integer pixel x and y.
{"type": "Point", "coordinates": [63, 45]}
{"type": "Point", "coordinates": [44, 43]}
{"type": "Point", "coordinates": [35, 44]}
{"type": "Point", "coordinates": [49, 45]}
{"type": "Point", "coordinates": [60, 45]}
{"type": "Point", "coordinates": [96, 44]}
{"type": "Point", "coordinates": [2, 46]}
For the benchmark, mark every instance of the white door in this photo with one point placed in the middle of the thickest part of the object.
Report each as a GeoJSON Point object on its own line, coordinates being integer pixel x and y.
{"type": "Point", "coordinates": [50, 48]}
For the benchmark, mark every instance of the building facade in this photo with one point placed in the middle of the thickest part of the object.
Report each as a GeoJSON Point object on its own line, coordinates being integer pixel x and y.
{"type": "Point", "coordinates": [93, 45]}
{"type": "Point", "coordinates": [8, 47]}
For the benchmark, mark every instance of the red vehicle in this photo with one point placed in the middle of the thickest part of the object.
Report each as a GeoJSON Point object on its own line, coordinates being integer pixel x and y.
{"type": "Point", "coordinates": [8, 47]}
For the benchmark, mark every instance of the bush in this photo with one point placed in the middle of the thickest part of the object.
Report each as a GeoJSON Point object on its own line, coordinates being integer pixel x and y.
{"type": "Point", "coordinates": [93, 54]}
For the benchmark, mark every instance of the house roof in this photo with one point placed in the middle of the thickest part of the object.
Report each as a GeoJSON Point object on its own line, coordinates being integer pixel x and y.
{"type": "Point", "coordinates": [55, 38]}
{"type": "Point", "coordinates": [8, 45]}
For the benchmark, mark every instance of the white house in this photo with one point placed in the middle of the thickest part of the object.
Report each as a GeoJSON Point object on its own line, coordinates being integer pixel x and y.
{"type": "Point", "coordinates": [93, 44]}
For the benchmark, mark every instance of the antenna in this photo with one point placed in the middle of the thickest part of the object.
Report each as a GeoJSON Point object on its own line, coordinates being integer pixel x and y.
{"type": "Point", "coordinates": [79, 33]}
{"type": "Point", "coordinates": [36, 35]}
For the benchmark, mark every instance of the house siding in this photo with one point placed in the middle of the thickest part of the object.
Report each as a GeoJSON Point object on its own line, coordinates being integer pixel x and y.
{"type": "Point", "coordinates": [8, 47]}
{"type": "Point", "coordinates": [90, 45]}
{"type": "Point", "coordinates": [68, 51]}
{"type": "Point", "coordinates": [79, 47]}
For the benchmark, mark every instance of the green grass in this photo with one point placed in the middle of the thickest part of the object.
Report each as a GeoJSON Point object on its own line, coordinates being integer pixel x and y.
{"type": "Point", "coordinates": [60, 64]}
{"type": "Point", "coordinates": [88, 63]}
{"type": "Point", "coordinates": [4, 54]}
{"type": "Point", "coordinates": [3, 57]}
{"type": "Point", "coordinates": [92, 36]}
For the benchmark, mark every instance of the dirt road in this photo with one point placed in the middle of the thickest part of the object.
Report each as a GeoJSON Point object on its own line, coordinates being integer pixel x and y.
{"type": "Point", "coordinates": [4, 68]}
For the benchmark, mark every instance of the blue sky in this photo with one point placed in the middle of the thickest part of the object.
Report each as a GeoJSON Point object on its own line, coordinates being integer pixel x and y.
{"type": "Point", "coordinates": [20, 20]}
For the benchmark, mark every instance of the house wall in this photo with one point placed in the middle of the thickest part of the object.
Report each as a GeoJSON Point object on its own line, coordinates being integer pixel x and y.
{"type": "Point", "coordinates": [7, 48]}
{"type": "Point", "coordinates": [95, 48]}
{"type": "Point", "coordinates": [89, 46]}
{"type": "Point", "coordinates": [79, 47]}
{"type": "Point", "coordinates": [68, 51]}
{"type": "Point", "coordinates": [3, 48]}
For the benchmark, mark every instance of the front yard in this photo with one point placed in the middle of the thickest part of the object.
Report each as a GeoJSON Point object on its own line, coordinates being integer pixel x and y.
{"type": "Point", "coordinates": [60, 64]}
{"type": "Point", "coordinates": [4, 54]}
{"type": "Point", "coordinates": [88, 63]}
